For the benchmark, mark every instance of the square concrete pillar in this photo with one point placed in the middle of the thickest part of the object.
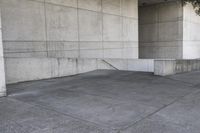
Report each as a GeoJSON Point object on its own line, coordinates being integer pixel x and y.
{"type": "Point", "coordinates": [2, 70]}
{"type": "Point", "coordinates": [169, 30]}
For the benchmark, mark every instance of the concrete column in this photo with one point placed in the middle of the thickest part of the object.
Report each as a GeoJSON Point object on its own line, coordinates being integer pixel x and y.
{"type": "Point", "coordinates": [2, 70]}
{"type": "Point", "coordinates": [161, 30]}
{"type": "Point", "coordinates": [191, 29]}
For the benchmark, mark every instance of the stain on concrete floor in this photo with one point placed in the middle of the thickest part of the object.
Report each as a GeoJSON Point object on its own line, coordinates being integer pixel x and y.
{"type": "Point", "coordinates": [104, 101]}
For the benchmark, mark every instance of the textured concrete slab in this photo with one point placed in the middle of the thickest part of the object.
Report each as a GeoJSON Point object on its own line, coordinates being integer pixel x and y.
{"type": "Point", "coordinates": [20, 117]}
{"type": "Point", "coordinates": [90, 24]}
{"type": "Point", "coordinates": [94, 5]}
{"type": "Point", "coordinates": [103, 101]}
{"type": "Point", "coordinates": [30, 28]}
{"type": "Point", "coordinates": [2, 69]}
{"type": "Point", "coordinates": [112, 29]}
{"type": "Point", "coordinates": [70, 3]}
{"type": "Point", "coordinates": [62, 23]}
{"type": "Point", "coordinates": [191, 77]}
{"type": "Point", "coordinates": [111, 6]}
{"type": "Point", "coordinates": [161, 30]}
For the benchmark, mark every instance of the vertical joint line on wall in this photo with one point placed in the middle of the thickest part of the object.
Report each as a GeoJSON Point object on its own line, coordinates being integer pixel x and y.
{"type": "Point", "coordinates": [182, 26]}
{"type": "Point", "coordinates": [122, 29]}
{"type": "Point", "coordinates": [79, 51]}
{"type": "Point", "coordinates": [102, 28]}
{"type": "Point", "coordinates": [45, 17]}
{"type": "Point", "coordinates": [157, 22]}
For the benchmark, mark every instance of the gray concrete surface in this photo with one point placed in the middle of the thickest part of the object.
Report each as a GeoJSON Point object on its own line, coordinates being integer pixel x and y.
{"type": "Point", "coordinates": [164, 67]}
{"type": "Point", "coordinates": [2, 69]}
{"type": "Point", "coordinates": [48, 36]}
{"type": "Point", "coordinates": [161, 30]}
{"type": "Point", "coordinates": [168, 30]}
{"type": "Point", "coordinates": [191, 38]}
{"type": "Point", "coordinates": [104, 101]}
{"type": "Point", "coordinates": [70, 28]}
{"type": "Point", "coordinates": [44, 68]}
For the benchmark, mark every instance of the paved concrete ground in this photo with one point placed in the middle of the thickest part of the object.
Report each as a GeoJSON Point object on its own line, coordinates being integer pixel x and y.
{"type": "Point", "coordinates": [104, 102]}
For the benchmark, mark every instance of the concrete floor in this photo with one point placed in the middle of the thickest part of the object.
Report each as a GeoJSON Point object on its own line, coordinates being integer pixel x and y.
{"type": "Point", "coordinates": [104, 102]}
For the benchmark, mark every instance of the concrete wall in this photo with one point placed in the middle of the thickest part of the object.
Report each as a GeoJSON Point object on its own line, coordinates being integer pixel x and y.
{"type": "Point", "coordinates": [191, 36]}
{"type": "Point", "coordinates": [35, 31]}
{"type": "Point", "coordinates": [170, 67]}
{"type": "Point", "coordinates": [70, 28]}
{"type": "Point", "coordinates": [161, 30]}
{"type": "Point", "coordinates": [2, 71]}
{"type": "Point", "coordinates": [57, 67]}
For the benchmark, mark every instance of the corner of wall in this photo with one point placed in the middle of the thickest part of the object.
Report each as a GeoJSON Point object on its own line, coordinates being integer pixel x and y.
{"type": "Point", "coordinates": [2, 69]}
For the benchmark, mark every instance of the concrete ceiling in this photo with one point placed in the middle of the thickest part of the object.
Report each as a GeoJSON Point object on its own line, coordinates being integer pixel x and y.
{"type": "Point", "coordinates": [149, 2]}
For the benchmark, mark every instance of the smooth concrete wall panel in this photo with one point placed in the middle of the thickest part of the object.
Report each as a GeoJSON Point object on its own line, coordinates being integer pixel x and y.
{"type": "Point", "coordinates": [112, 6]}
{"type": "Point", "coordinates": [113, 45]}
{"type": "Point", "coordinates": [157, 52]}
{"type": "Point", "coordinates": [171, 11]}
{"type": "Point", "coordinates": [25, 49]}
{"type": "Point", "coordinates": [26, 69]}
{"type": "Point", "coordinates": [41, 68]}
{"type": "Point", "coordinates": [113, 53]}
{"type": "Point", "coordinates": [91, 49]}
{"type": "Point", "coordinates": [129, 8]}
{"type": "Point", "coordinates": [161, 30]}
{"type": "Point", "coordinates": [63, 49]}
{"type": "Point", "coordinates": [148, 33]}
{"type": "Point", "coordinates": [190, 31]}
{"type": "Point", "coordinates": [170, 31]}
{"type": "Point", "coordinates": [146, 65]}
{"type": "Point", "coordinates": [130, 44]}
{"type": "Point", "coordinates": [90, 26]}
{"type": "Point", "coordinates": [62, 23]}
{"type": "Point", "coordinates": [70, 3]}
{"type": "Point", "coordinates": [130, 29]}
{"type": "Point", "coordinates": [191, 52]}
{"type": "Point", "coordinates": [112, 28]}
{"type": "Point", "coordinates": [191, 38]}
{"type": "Point", "coordinates": [130, 52]}
{"type": "Point", "coordinates": [23, 20]}
{"type": "Point", "coordinates": [90, 45]}
{"type": "Point", "coordinates": [89, 53]}
{"type": "Point", "coordinates": [148, 14]}
{"type": "Point", "coordinates": [94, 5]}
{"type": "Point", "coordinates": [67, 67]}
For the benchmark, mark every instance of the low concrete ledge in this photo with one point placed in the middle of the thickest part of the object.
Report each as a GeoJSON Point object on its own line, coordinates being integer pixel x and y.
{"type": "Point", "coordinates": [26, 69]}
{"type": "Point", "coordinates": [2, 94]}
{"type": "Point", "coordinates": [170, 67]}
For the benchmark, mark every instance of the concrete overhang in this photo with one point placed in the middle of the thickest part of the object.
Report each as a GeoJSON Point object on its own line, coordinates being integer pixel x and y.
{"type": "Point", "coordinates": [150, 2]}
